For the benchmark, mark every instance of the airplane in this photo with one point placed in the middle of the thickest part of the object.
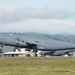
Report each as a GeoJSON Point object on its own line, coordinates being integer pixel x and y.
{"type": "Point", "coordinates": [35, 44]}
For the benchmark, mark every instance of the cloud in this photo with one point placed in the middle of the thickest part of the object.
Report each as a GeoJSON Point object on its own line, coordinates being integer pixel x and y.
{"type": "Point", "coordinates": [4, 7]}
{"type": "Point", "coordinates": [42, 20]}
{"type": "Point", "coordinates": [42, 13]}
{"type": "Point", "coordinates": [41, 26]}
{"type": "Point", "coordinates": [9, 14]}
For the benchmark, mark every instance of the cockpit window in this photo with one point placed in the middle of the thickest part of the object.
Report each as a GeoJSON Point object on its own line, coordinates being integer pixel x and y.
{"type": "Point", "coordinates": [18, 39]}
{"type": "Point", "coordinates": [22, 41]}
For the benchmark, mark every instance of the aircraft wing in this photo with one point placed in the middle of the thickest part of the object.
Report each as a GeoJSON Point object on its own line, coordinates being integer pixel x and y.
{"type": "Point", "coordinates": [55, 46]}
{"type": "Point", "coordinates": [36, 44]}
{"type": "Point", "coordinates": [47, 45]}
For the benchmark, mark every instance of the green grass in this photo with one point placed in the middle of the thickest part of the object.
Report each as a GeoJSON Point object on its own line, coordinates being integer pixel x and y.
{"type": "Point", "coordinates": [37, 66]}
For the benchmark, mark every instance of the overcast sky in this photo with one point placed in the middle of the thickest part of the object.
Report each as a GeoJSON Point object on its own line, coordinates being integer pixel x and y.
{"type": "Point", "coordinates": [41, 16]}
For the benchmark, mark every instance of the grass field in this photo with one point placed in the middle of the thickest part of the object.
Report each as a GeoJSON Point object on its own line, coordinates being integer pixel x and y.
{"type": "Point", "coordinates": [37, 66]}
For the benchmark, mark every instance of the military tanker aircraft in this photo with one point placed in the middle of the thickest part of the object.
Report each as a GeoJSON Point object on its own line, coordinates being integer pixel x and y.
{"type": "Point", "coordinates": [35, 44]}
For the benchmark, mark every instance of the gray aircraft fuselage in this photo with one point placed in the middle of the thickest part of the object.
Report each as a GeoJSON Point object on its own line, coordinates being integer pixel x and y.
{"type": "Point", "coordinates": [33, 43]}
{"type": "Point", "coordinates": [9, 40]}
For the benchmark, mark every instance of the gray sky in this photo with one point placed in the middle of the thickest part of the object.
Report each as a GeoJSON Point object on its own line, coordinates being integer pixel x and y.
{"type": "Point", "coordinates": [42, 16]}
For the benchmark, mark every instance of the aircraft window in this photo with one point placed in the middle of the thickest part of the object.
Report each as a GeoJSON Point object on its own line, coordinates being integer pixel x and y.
{"type": "Point", "coordinates": [17, 44]}
{"type": "Point", "coordinates": [22, 41]}
{"type": "Point", "coordinates": [18, 39]}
